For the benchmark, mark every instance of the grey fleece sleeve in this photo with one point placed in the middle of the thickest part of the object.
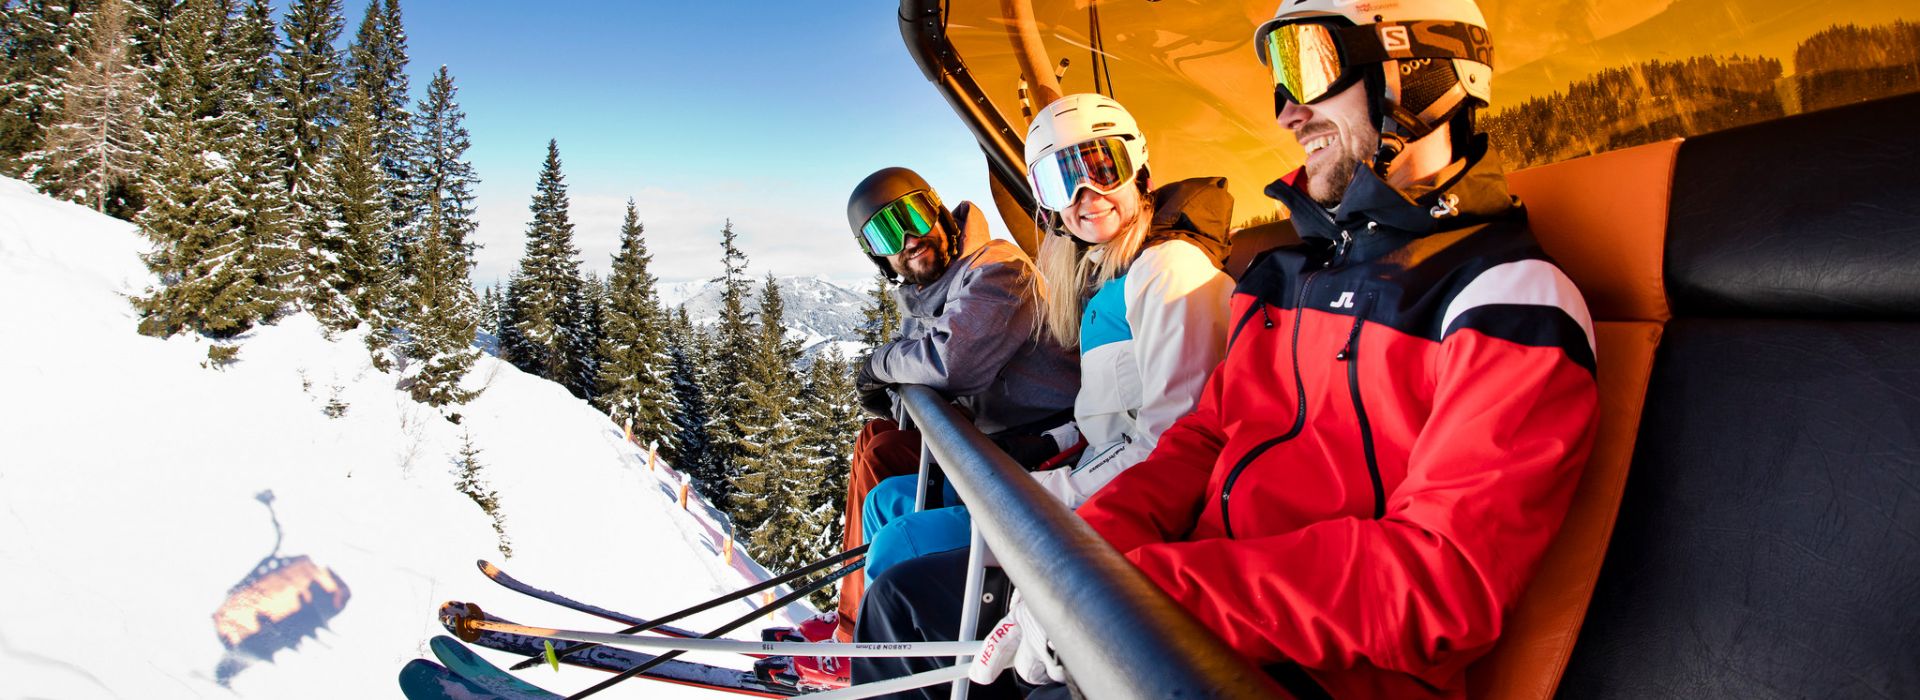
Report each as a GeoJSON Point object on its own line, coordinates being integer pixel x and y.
{"type": "Point", "coordinates": [984, 323]}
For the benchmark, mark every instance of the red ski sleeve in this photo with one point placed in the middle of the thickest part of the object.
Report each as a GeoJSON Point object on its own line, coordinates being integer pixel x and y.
{"type": "Point", "coordinates": [1423, 589]}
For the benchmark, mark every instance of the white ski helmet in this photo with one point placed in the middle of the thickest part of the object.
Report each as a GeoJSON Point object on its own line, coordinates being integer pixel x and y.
{"type": "Point", "coordinates": [1423, 36]}
{"type": "Point", "coordinates": [1077, 121]}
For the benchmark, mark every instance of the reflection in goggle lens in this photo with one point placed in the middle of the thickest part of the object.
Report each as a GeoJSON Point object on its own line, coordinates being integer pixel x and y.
{"type": "Point", "coordinates": [1101, 165]}
{"type": "Point", "coordinates": [887, 230]}
{"type": "Point", "coordinates": [1305, 61]}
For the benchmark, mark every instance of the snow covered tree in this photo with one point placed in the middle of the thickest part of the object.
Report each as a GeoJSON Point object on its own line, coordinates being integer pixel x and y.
{"type": "Point", "coordinates": [95, 147]}
{"type": "Point", "coordinates": [881, 317]}
{"type": "Point", "coordinates": [440, 175]}
{"type": "Point", "coordinates": [263, 207]}
{"type": "Point", "coordinates": [772, 478]}
{"type": "Point", "coordinates": [546, 291]}
{"type": "Point", "coordinates": [441, 316]}
{"type": "Point", "coordinates": [635, 379]}
{"type": "Point", "coordinates": [310, 91]}
{"type": "Point", "coordinates": [377, 68]}
{"type": "Point", "coordinates": [38, 39]}
{"type": "Point", "coordinates": [203, 260]}
{"type": "Point", "coordinates": [585, 310]}
{"type": "Point", "coordinates": [691, 449]}
{"type": "Point", "coordinates": [830, 418]}
{"type": "Point", "coordinates": [734, 340]}
{"type": "Point", "coordinates": [363, 275]}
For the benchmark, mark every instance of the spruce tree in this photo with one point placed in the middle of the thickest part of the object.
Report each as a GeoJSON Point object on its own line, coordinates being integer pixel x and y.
{"type": "Point", "coordinates": [440, 174]}
{"type": "Point", "coordinates": [831, 418]}
{"type": "Point", "coordinates": [362, 276]}
{"type": "Point", "coordinates": [691, 449]}
{"type": "Point", "coordinates": [200, 255]}
{"type": "Point", "coordinates": [634, 381]}
{"type": "Point", "coordinates": [377, 68]}
{"type": "Point", "coordinates": [441, 318]}
{"type": "Point", "coordinates": [264, 208]}
{"type": "Point", "coordinates": [95, 147]}
{"type": "Point", "coordinates": [734, 337]}
{"type": "Point", "coordinates": [547, 291]}
{"type": "Point", "coordinates": [586, 308]}
{"type": "Point", "coordinates": [38, 39]}
{"type": "Point", "coordinates": [881, 317]}
{"type": "Point", "coordinates": [771, 476]}
{"type": "Point", "coordinates": [309, 88]}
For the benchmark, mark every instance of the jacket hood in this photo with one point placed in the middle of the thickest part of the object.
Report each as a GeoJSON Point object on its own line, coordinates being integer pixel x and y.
{"type": "Point", "coordinates": [973, 228]}
{"type": "Point", "coordinates": [1198, 210]}
{"type": "Point", "coordinates": [1481, 189]}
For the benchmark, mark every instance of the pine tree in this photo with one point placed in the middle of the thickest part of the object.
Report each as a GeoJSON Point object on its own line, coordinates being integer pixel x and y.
{"type": "Point", "coordinates": [200, 254]}
{"type": "Point", "coordinates": [771, 476]}
{"type": "Point", "coordinates": [440, 174]}
{"type": "Point", "coordinates": [377, 68]}
{"type": "Point", "coordinates": [309, 88]}
{"type": "Point", "coordinates": [691, 449]}
{"type": "Point", "coordinates": [586, 309]}
{"type": "Point", "coordinates": [635, 382]}
{"type": "Point", "coordinates": [95, 147]}
{"type": "Point", "coordinates": [881, 318]}
{"type": "Point", "coordinates": [734, 338]}
{"type": "Point", "coordinates": [547, 288]}
{"type": "Point", "coordinates": [831, 418]}
{"type": "Point", "coordinates": [259, 173]}
{"type": "Point", "coordinates": [442, 318]}
{"type": "Point", "coordinates": [38, 39]}
{"type": "Point", "coordinates": [363, 276]}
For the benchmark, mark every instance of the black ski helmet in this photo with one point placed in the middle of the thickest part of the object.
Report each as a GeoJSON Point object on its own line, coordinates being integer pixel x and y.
{"type": "Point", "coordinates": [882, 188]}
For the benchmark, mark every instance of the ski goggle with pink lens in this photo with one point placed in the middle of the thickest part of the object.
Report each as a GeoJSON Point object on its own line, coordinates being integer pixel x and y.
{"type": "Point", "coordinates": [886, 231]}
{"type": "Point", "coordinates": [1101, 165]}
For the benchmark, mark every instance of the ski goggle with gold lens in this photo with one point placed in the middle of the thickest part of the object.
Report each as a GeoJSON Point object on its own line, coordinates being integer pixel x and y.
{"type": "Point", "coordinates": [1101, 165]}
{"type": "Point", "coordinates": [886, 231]}
{"type": "Point", "coordinates": [1306, 62]}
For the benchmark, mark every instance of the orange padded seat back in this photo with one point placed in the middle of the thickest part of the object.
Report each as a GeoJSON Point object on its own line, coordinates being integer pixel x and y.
{"type": "Point", "coordinates": [1603, 218]}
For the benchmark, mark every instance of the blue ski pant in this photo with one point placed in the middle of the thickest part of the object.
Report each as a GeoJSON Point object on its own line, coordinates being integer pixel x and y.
{"type": "Point", "coordinates": [899, 533]}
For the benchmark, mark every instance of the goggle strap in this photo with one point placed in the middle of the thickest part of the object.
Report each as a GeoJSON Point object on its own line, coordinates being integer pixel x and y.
{"type": "Point", "coordinates": [1393, 41]}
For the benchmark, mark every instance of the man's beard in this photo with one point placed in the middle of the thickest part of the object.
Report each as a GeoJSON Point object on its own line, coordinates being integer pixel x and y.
{"type": "Point", "coordinates": [936, 266]}
{"type": "Point", "coordinates": [1328, 189]}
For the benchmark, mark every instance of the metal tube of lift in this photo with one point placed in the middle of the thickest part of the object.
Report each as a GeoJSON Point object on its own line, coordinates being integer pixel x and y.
{"type": "Point", "coordinates": [1117, 632]}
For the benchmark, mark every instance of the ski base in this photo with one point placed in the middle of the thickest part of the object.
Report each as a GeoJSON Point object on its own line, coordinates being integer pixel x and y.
{"type": "Point", "coordinates": [615, 660]}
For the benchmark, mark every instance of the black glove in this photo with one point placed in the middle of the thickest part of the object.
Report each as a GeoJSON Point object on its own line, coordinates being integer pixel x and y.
{"type": "Point", "coordinates": [874, 396]}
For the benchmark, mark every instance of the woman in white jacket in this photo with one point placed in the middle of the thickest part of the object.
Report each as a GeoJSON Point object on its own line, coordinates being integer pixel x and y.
{"type": "Point", "coordinates": [1132, 278]}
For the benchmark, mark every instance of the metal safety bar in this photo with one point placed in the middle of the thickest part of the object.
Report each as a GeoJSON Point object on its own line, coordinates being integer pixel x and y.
{"type": "Point", "coordinates": [1116, 632]}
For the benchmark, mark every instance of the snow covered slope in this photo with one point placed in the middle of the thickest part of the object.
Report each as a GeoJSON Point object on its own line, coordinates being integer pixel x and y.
{"type": "Point", "coordinates": [131, 482]}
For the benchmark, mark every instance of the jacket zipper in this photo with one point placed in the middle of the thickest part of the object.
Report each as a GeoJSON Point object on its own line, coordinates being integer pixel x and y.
{"type": "Point", "coordinates": [1351, 355]}
{"type": "Point", "coordinates": [1299, 417]}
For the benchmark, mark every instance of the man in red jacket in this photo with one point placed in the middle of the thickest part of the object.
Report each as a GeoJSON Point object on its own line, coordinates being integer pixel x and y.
{"type": "Point", "coordinates": [1374, 471]}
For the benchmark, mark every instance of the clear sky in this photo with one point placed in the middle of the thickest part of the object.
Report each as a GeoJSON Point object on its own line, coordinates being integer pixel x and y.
{"type": "Point", "coordinates": [764, 112]}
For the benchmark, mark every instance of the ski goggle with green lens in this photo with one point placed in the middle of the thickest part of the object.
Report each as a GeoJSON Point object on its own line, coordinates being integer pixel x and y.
{"type": "Point", "coordinates": [1306, 62]}
{"type": "Point", "coordinates": [1102, 165]}
{"type": "Point", "coordinates": [886, 231]}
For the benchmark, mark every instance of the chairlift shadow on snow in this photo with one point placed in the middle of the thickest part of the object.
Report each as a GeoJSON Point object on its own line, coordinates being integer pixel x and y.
{"type": "Point", "coordinates": [280, 602]}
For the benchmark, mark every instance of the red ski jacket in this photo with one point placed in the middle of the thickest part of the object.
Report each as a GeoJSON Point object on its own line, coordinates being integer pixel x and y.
{"type": "Point", "coordinates": [1372, 474]}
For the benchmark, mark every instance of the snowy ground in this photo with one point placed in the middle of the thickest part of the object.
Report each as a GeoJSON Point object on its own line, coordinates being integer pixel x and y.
{"type": "Point", "coordinates": [129, 477]}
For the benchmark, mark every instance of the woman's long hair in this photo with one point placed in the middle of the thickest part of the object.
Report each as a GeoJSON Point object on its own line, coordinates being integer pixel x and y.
{"type": "Point", "coordinates": [1071, 271]}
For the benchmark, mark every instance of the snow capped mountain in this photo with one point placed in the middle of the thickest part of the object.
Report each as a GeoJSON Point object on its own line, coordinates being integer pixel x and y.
{"type": "Point", "coordinates": [153, 510]}
{"type": "Point", "coordinates": [818, 310]}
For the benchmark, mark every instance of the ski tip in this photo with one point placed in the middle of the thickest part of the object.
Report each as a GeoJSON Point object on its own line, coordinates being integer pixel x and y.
{"type": "Point", "coordinates": [459, 617]}
{"type": "Point", "coordinates": [487, 567]}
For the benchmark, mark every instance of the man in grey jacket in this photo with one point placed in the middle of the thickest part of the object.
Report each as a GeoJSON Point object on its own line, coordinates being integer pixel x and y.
{"type": "Point", "coordinates": [969, 308]}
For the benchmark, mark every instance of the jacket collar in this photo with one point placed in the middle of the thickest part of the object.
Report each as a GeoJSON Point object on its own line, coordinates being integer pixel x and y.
{"type": "Point", "coordinates": [1373, 217]}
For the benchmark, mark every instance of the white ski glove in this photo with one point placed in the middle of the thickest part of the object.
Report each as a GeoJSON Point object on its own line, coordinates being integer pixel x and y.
{"type": "Point", "coordinates": [1018, 641]}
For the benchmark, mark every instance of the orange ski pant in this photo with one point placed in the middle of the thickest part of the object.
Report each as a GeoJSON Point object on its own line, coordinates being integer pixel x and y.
{"type": "Point", "coordinates": [883, 450]}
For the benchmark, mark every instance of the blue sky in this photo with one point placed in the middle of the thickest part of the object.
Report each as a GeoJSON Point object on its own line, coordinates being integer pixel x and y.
{"type": "Point", "coordinates": [767, 113]}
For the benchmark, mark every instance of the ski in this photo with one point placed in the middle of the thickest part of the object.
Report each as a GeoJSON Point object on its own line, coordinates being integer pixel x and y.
{"type": "Point", "coordinates": [638, 625]}
{"type": "Point", "coordinates": [500, 576]}
{"type": "Point", "coordinates": [471, 625]}
{"type": "Point", "coordinates": [421, 679]}
{"type": "Point", "coordinates": [617, 660]}
{"type": "Point", "coordinates": [466, 664]}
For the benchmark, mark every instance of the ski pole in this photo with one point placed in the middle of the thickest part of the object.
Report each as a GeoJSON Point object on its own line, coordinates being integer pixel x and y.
{"type": "Point", "coordinates": [806, 589]}
{"type": "Point", "coordinates": [723, 629]}
{"type": "Point", "coordinates": [738, 646]}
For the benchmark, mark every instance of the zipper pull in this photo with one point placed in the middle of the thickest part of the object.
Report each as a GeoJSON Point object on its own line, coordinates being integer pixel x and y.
{"type": "Point", "coordinates": [1263, 315]}
{"type": "Point", "coordinates": [1340, 249]}
{"type": "Point", "coordinates": [1353, 335]}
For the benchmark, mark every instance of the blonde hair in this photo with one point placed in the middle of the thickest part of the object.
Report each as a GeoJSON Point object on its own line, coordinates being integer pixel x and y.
{"type": "Point", "coordinates": [1071, 272]}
